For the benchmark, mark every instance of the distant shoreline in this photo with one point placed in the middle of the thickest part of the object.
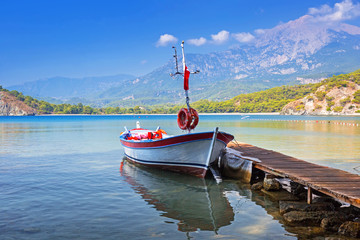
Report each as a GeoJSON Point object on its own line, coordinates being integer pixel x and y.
{"type": "Point", "coordinates": [146, 114]}
{"type": "Point", "coordinates": [272, 113]}
{"type": "Point", "coordinates": [203, 114]}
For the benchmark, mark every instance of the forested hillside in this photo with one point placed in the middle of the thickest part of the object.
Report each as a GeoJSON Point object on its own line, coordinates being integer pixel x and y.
{"type": "Point", "coordinates": [271, 100]}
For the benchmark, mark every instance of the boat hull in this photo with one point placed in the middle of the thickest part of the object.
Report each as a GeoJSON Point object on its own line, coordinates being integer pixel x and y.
{"type": "Point", "coordinates": [184, 153]}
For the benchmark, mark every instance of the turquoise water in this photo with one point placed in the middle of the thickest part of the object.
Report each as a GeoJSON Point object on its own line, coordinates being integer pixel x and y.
{"type": "Point", "coordinates": [60, 178]}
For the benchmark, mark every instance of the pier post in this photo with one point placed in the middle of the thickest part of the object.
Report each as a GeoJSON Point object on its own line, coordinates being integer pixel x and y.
{"type": "Point", "coordinates": [309, 195]}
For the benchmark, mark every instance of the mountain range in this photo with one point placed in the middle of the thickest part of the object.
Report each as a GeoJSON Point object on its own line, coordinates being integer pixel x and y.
{"type": "Point", "coordinates": [299, 51]}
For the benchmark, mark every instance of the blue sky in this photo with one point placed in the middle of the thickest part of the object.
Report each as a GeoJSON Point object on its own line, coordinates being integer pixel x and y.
{"type": "Point", "coordinates": [80, 38]}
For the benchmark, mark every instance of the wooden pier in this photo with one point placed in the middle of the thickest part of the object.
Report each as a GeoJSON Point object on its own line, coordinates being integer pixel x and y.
{"type": "Point", "coordinates": [336, 183]}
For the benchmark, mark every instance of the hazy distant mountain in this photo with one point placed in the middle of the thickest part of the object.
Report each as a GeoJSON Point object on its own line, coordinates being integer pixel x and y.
{"type": "Point", "coordinates": [66, 88]}
{"type": "Point", "coordinates": [298, 51]}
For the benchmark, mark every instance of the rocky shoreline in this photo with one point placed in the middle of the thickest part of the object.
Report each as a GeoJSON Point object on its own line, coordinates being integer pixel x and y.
{"type": "Point", "coordinates": [324, 213]}
{"type": "Point", "coordinates": [308, 219]}
{"type": "Point", "coordinates": [10, 106]}
{"type": "Point", "coordinates": [339, 100]}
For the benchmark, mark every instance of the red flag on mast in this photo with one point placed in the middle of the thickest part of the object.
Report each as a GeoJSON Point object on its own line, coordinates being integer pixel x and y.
{"type": "Point", "coordinates": [186, 78]}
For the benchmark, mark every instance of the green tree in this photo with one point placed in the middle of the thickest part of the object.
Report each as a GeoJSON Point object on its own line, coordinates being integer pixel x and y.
{"type": "Point", "coordinates": [80, 108]}
{"type": "Point", "coordinates": [45, 107]}
{"type": "Point", "coordinates": [14, 93]}
{"type": "Point", "coordinates": [320, 95]}
{"type": "Point", "coordinates": [137, 110]}
{"type": "Point", "coordinates": [338, 108]}
{"type": "Point", "coordinates": [356, 97]}
{"type": "Point", "coordinates": [88, 110]}
{"type": "Point", "coordinates": [344, 101]}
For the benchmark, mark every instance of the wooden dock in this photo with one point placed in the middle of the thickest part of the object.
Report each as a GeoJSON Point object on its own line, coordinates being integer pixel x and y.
{"type": "Point", "coordinates": [336, 183]}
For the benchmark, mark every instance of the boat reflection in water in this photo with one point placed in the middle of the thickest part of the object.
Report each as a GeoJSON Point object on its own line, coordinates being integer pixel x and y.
{"type": "Point", "coordinates": [197, 204]}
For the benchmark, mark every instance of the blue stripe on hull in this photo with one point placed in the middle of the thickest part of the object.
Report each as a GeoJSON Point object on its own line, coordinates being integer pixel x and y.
{"type": "Point", "coordinates": [170, 145]}
{"type": "Point", "coordinates": [168, 163]}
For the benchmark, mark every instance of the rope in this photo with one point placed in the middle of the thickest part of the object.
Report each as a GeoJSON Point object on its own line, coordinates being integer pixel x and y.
{"type": "Point", "coordinates": [234, 141]}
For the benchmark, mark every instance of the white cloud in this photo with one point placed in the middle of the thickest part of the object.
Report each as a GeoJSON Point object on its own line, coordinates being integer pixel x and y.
{"type": "Point", "coordinates": [287, 71]}
{"type": "Point", "coordinates": [197, 41]}
{"type": "Point", "coordinates": [220, 37]}
{"type": "Point", "coordinates": [240, 76]}
{"type": "Point", "coordinates": [166, 39]}
{"type": "Point", "coordinates": [324, 9]}
{"type": "Point", "coordinates": [341, 11]}
{"type": "Point", "coordinates": [243, 37]}
{"type": "Point", "coordinates": [259, 31]}
{"type": "Point", "coordinates": [143, 61]}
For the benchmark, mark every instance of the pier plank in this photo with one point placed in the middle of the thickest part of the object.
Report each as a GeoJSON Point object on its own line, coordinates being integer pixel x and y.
{"type": "Point", "coordinates": [333, 182]}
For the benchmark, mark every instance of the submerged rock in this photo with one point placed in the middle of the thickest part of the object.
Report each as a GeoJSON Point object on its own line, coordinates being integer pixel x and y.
{"type": "Point", "coordinates": [351, 229]}
{"type": "Point", "coordinates": [306, 232]}
{"type": "Point", "coordinates": [271, 184]}
{"type": "Point", "coordinates": [310, 218]}
{"type": "Point", "coordinates": [297, 188]}
{"type": "Point", "coordinates": [257, 186]}
{"type": "Point", "coordinates": [327, 200]}
{"type": "Point", "coordinates": [281, 195]}
{"type": "Point", "coordinates": [288, 206]}
{"type": "Point", "coordinates": [332, 224]}
{"type": "Point", "coordinates": [352, 213]}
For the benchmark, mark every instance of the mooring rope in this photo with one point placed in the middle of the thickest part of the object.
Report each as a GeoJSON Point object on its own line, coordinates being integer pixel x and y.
{"type": "Point", "coordinates": [233, 140]}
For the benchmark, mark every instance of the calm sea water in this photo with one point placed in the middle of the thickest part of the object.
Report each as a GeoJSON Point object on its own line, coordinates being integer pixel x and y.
{"type": "Point", "coordinates": [60, 179]}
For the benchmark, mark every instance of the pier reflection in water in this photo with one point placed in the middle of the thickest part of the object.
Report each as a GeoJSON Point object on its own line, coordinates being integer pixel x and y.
{"type": "Point", "coordinates": [195, 203]}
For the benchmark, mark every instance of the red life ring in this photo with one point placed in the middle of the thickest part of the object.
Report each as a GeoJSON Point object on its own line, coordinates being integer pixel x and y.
{"type": "Point", "coordinates": [194, 117]}
{"type": "Point", "coordinates": [187, 120]}
{"type": "Point", "coordinates": [184, 119]}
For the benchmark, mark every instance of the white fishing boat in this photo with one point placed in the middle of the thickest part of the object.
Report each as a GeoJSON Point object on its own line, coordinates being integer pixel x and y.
{"type": "Point", "coordinates": [191, 153]}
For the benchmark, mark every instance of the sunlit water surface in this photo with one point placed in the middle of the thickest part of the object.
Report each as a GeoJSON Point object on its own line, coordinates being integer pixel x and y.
{"type": "Point", "coordinates": [60, 178]}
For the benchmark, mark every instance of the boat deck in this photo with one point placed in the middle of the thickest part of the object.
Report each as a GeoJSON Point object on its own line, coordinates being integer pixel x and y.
{"type": "Point", "coordinates": [333, 182]}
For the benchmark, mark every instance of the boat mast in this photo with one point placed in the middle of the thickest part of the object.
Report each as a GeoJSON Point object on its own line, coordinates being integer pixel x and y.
{"type": "Point", "coordinates": [184, 69]}
{"type": "Point", "coordinates": [176, 63]}
{"type": "Point", "coordinates": [188, 117]}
